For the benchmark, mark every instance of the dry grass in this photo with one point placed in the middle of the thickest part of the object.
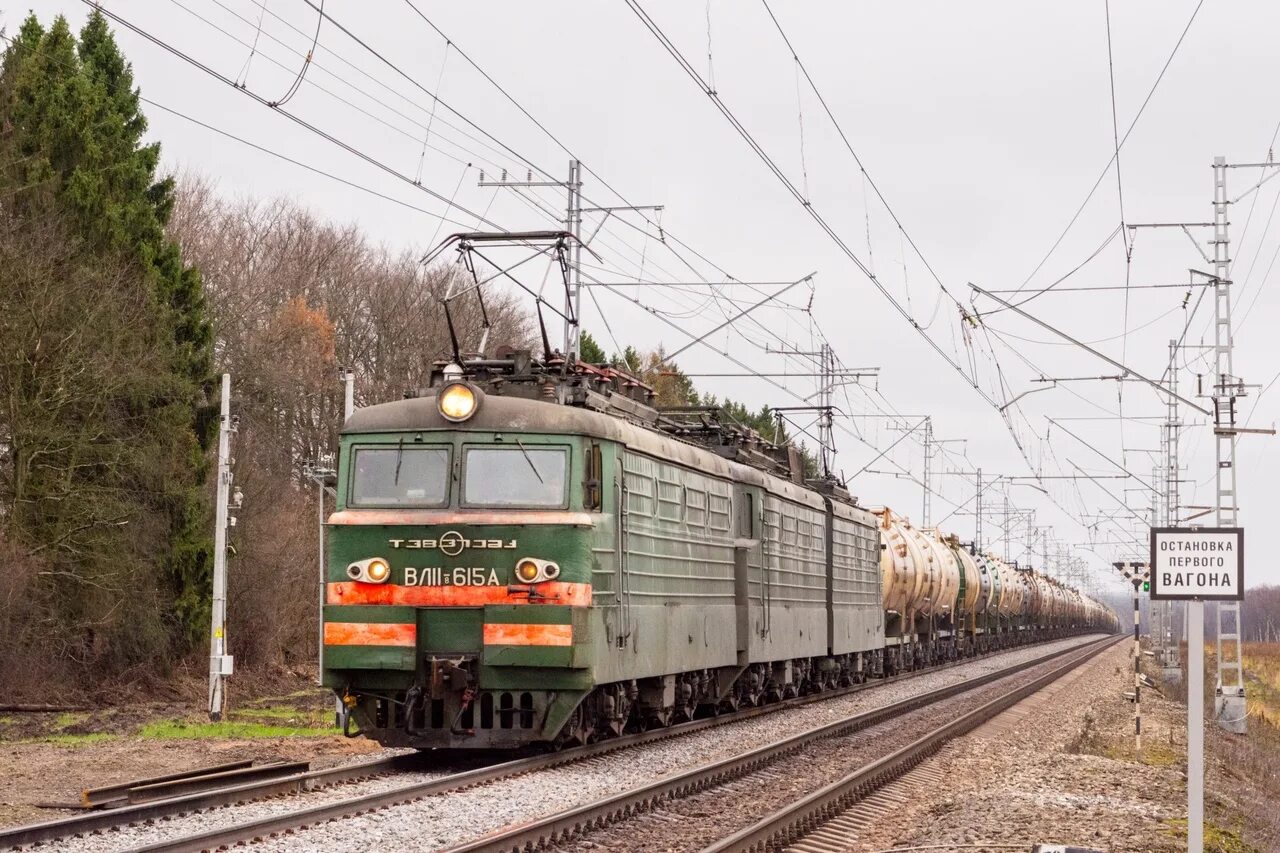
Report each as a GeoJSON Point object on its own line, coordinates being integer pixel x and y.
{"type": "Point", "coordinates": [1262, 682]}
{"type": "Point", "coordinates": [1251, 764]}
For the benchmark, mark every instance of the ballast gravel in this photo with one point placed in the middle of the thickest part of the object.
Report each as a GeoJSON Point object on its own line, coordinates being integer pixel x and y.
{"type": "Point", "coordinates": [447, 820]}
{"type": "Point", "coordinates": [692, 822]}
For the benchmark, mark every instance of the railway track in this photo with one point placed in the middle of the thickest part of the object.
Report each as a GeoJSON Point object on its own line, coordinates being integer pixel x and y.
{"type": "Point", "coordinates": [103, 823]}
{"type": "Point", "coordinates": [287, 822]}
{"type": "Point", "coordinates": [831, 817]}
{"type": "Point", "coordinates": [97, 822]}
{"type": "Point", "coordinates": [803, 815]}
{"type": "Point", "coordinates": [160, 807]}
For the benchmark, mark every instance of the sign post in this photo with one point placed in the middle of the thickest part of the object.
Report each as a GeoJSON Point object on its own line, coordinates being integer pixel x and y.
{"type": "Point", "coordinates": [1196, 565]}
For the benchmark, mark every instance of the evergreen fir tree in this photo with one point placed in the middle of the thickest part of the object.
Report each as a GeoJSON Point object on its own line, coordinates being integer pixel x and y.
{"type": "Point", "coordinates": [75, 126]}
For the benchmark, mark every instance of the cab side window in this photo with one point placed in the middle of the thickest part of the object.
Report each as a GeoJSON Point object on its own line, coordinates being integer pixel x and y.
{"type": "Point", "coordinates": [593, 484]}
{"type": "Point", "coordinates": [746, 515]}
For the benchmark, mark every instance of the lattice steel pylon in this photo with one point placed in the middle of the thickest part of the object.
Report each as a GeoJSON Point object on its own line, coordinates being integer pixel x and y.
{"type": "Point", "coordinates": [1229, 698]}
{"type": "Point", "coordinates": [926, 509]}
{"type": "Point", "coordinates": [1167, 650]}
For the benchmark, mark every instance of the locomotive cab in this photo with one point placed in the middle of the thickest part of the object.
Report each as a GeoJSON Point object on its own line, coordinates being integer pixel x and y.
{"type": "Point", "coordinates": [459, 572]}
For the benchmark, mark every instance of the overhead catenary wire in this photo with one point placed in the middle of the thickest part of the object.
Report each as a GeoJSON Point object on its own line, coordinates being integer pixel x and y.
{"type": "Point", "coordinates": [667, 237]}
{"type": "Point", "coordinates": [129, 25]}
{"type": "Point", "coordinates": [481, 217]}
{"type": "Point", "coordinates": [764, 156]}
{"type": "Point", "coordinates": [361, 72]}
{"type": "Point", "coordinates": [1107, 168]}
{"type": "Point", "coordinates": [853, 153]}
{"type": "Point", "coordinates": [1129, 239]}
{"type": "Point", "coordinates": [1263, 177]}
{"type": "Point", "coordinates": [306, 63]}
{"type": "Point", "coordinates": [243, 77]}
{"type": "Point", "coordinates": [435, 101]}
{"type": "Point", "coordinates": [307, 166]}
{"type": "Point", "coordinates": [471, 154]}
{"type": "Point", "coordinates": [972, 377]}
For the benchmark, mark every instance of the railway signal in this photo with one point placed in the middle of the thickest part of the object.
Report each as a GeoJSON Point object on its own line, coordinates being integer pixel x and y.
{"type": "Point", "coordinates": [1138, 574]}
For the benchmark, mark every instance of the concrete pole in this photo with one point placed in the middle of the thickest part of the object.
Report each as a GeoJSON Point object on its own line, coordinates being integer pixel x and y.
{"type": "Point", "coordinates": [219, 661]}
{"type": "Point", "coordinates": [348, 394]}
{"type": "Point", "coordinates": [1137, 666]}
{"type": "Point", "coordinates": [1195, 727]}
{"type": "Point", "coordinates": [320, 550]}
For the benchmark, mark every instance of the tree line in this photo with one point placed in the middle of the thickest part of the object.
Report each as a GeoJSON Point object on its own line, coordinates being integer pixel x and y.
{"type": "Point", "coordinates": [106, 354]}
{"type": "Point", "coordinates": [1261, 614]}
{"type": "Point", "coordinates": [124, 292]}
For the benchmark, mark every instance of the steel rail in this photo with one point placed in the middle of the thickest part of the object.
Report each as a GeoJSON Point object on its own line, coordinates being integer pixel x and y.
{"type": "Point", "coordinates": [275, 825]}
{"type": "Point", "coordinates": [119, 793]}
{"type": "Point", "coordinates": [788, 825]}
{"type": "Point", "coordinates": [565, 825]}
{"type": "Point", "coordinates": [100, 821]}
{"type": "Point", "coordinates": [97, 822]}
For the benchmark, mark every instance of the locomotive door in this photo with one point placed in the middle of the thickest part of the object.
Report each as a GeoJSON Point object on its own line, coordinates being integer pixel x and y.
{"type": "Point", "coordinates": [622, 583]}
{"type": "Point", "coordinates": [760, 521]}
{"type": "Point", "coordinates": [750, 566]}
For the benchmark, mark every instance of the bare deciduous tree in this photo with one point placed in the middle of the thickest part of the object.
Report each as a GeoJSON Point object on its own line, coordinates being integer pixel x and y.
{"type": "Point", "coordinates": [293, 299]}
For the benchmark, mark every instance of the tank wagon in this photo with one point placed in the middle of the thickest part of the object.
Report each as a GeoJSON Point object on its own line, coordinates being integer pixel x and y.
{"type": "Point", "coordinates": [526, 553]}
{"type": "Point", "coordinates": [943, 600]}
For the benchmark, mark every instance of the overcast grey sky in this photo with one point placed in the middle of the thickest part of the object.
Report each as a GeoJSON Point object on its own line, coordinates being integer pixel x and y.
{"type": "Point", "coordinates": [984, 124]}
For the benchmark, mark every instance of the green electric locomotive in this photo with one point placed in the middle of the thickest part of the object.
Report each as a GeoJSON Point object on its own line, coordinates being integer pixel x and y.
{"type": "Point", "coordinates": [531, 553]}
{"type": "Point", "coordinates": [526, 555]}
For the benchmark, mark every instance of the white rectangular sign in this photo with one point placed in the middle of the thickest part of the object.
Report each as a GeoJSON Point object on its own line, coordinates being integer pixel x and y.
{"type": "Point", "coordinates": [1202, 564]}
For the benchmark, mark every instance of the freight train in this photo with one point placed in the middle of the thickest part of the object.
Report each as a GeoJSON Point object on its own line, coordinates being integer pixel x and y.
{"type": "Point", "coordinates": [531, 553]}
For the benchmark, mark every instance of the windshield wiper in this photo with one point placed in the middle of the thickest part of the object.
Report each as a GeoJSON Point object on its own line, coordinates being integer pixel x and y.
{"type": "Point", "coordinates": [530, 461]}
{"type": "Point", "coordinates": [399, 459]}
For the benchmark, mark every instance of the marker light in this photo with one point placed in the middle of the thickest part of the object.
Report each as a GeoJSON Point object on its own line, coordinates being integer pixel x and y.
{"type": "Point", "coordinates": [372, 570]}
{"type": "Point", "coordinates": [457, 402]}
{"type": "Point", "coordinates": [532, 570]}
{"type": "Point", "coordinates": [527, 571]}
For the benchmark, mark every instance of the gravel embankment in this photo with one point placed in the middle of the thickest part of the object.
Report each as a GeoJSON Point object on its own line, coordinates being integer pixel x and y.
{"type": "Point", "coordinates": [692, 823]}
{"type": "Point", "coordinates": [1040, 784]}
{"type": "Point", "coordinates": [448, 820]}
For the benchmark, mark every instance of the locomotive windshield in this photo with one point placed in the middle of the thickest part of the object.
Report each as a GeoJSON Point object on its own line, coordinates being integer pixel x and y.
{"type": "Point", "coordinates": [520, 476]}
{"type": "Point", "coordinates": [401, 476]}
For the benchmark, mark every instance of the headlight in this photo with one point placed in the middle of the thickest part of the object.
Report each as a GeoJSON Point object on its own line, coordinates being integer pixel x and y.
{"type": "Point", "coordinates": [533, 570]}
{"type": "Point", "coordinates": [372, 570]}
{"type": "Point", "coordinates": [457, 402]}
{"type": "Point", "coordinates": [378, 571]}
